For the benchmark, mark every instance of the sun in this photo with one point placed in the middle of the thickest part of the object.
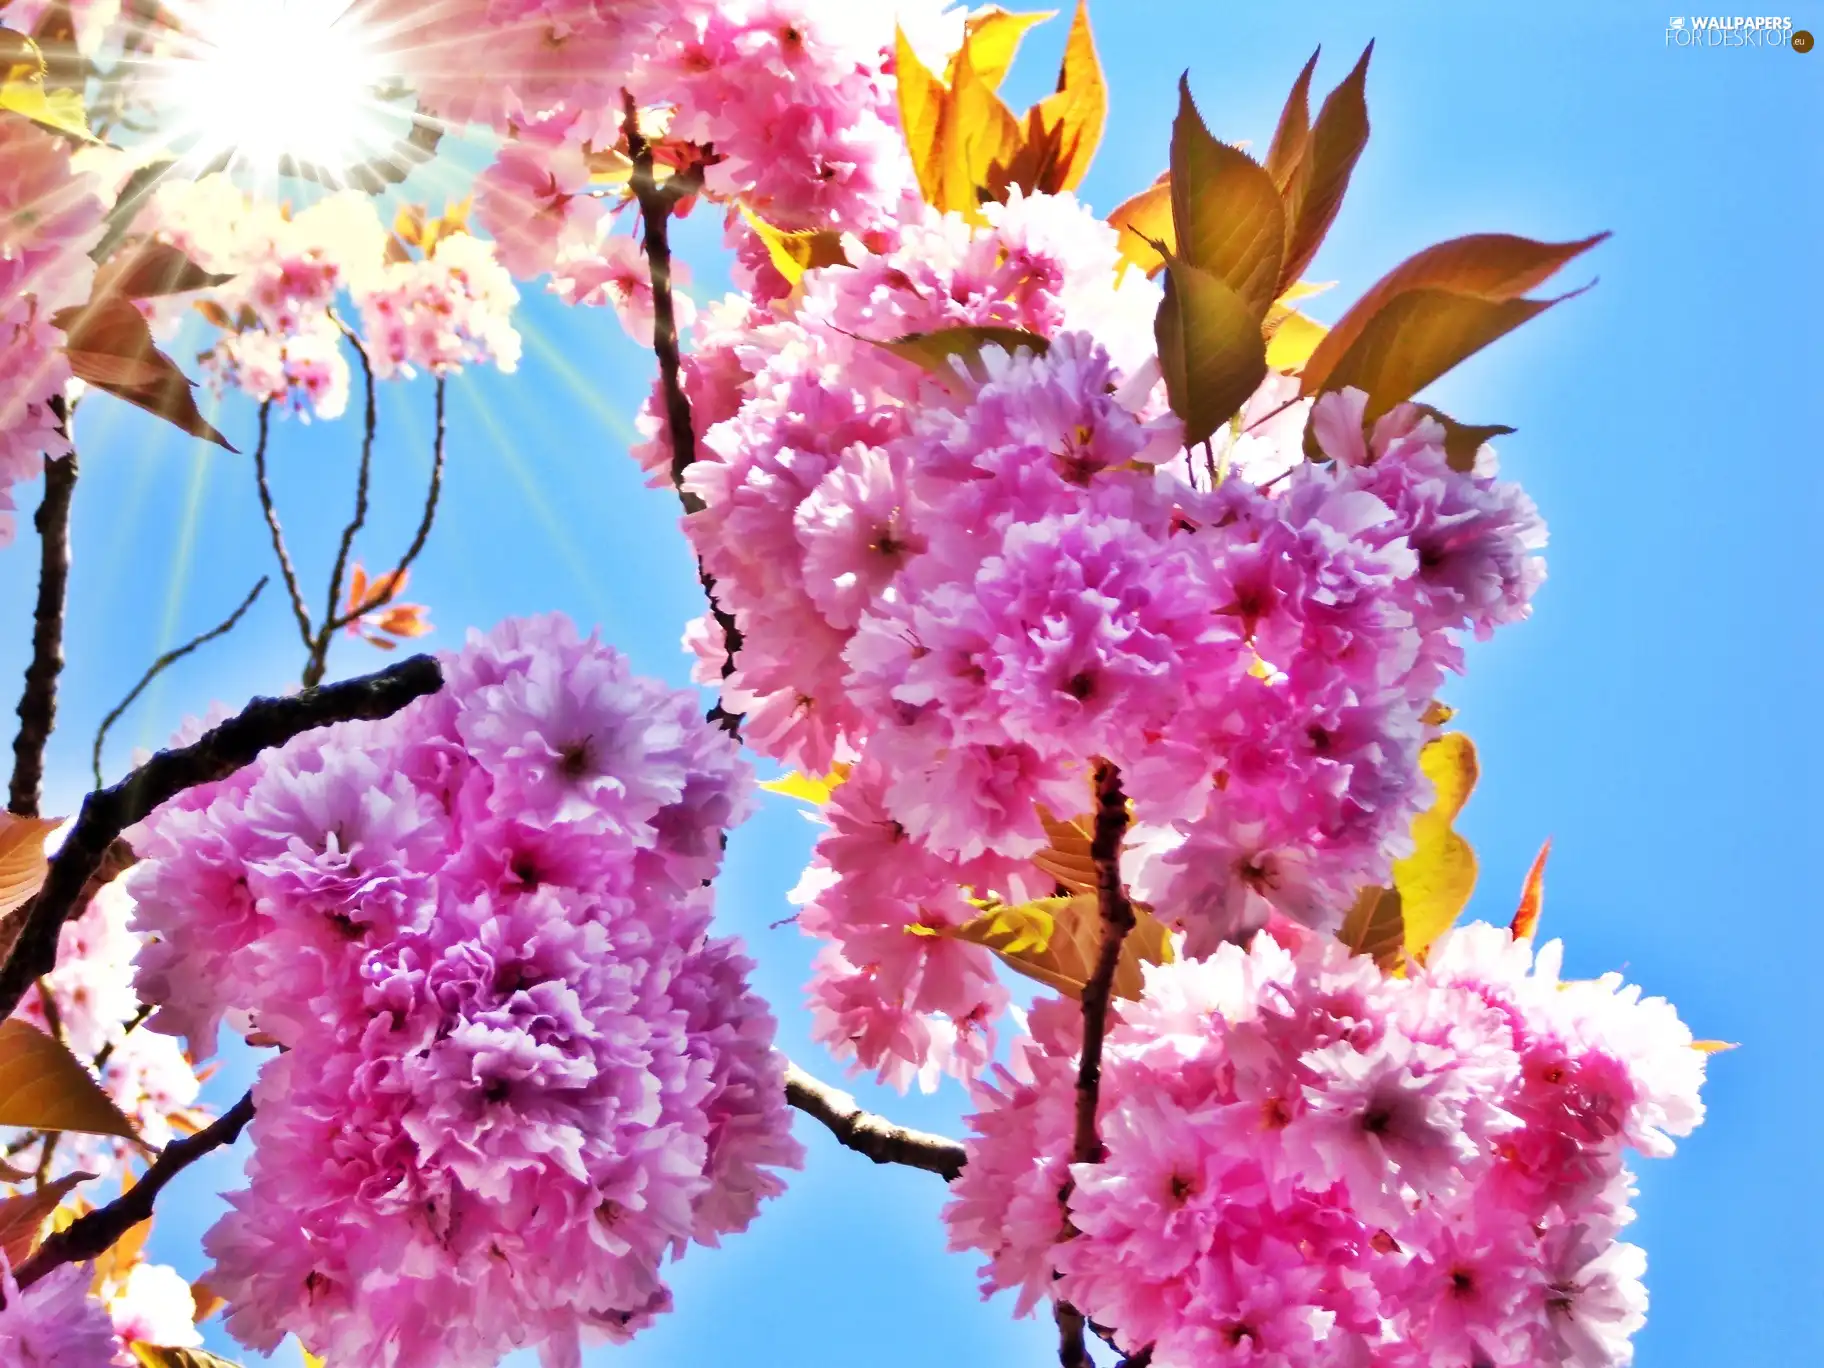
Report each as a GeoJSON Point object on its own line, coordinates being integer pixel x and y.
{"type": "Point", "coordinates": [269, 84]}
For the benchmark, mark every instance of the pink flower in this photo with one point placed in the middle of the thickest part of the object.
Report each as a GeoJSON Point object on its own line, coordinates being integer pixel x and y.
{"type": "Point", "coordinates": [154, 1304]}
{"type": "Point", "coordinates": [54, 1324]}
{"type": "Point", "coordinates": [531, 202]}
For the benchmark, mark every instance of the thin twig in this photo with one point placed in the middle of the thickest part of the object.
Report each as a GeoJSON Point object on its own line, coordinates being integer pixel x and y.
{"type": "Point", "coordinates": [158, 666]}
{"type": "Point", "coordinates": [299, 611]}
{"type": "Point", "coordinates": [1073, 1350]}
{"type": "Point", "coordinates": [132, 1024]}
{"type": "Point", "coordinates": [656, 204]}
{"type": "Point", "coordinates": [106, 813]}
{"type": "Point", "coordinates": [92, 1235]}
{"type": "Point", "coordinates": [38, 701]}
{"type": "Point", "coordinates": [391, 584]}
{"type": "Point", "coordinates": [319, 649]}
{"type": "Point", "coordinates": [867, 1134]}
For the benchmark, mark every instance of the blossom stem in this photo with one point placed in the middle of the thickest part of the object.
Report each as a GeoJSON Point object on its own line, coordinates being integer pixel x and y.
{"type": "Point", "coordinates": [319, 648]}
{"type": "Point", "coordinates": [299, 611]}
{"type": "Point", "coordinates": [874, 1136]}
{"type": "Point", "coordinates": [38, 701]}
{"type": "Point", "coordinates": [1117, 920]}
{"type": "Point", "coordinates": [393, 582]}
{"type": "Point", "coordinates": [106, 813]}
{"type": "Point", "coordinates": [656, 204]}
{"type": "Point", "coordinates": [158, 666]}
{"type": "Point", "coordinates": [92, 1235]}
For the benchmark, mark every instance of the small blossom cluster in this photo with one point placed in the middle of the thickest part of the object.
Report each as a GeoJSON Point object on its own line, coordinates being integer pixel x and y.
{"type": "Point", "coordinates": [280, 339]}
{"type": "Point", "coordinates": [50, 218]}
{"type": "Point", "coordinates": [64, 1320]}
{"type": "Point", "coordinates": [93, 1009]}
{"type": "Point", "coordinates": [518, 1072]}
{"type": "Point", "coordinates": [966, 585]}
{"type": "Point", "coordinates": [1311, 1164]}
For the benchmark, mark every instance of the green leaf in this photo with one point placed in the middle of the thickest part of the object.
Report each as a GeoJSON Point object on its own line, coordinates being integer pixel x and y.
{"type": "Point", "coordinates": [934, 351]}
{"type": "Point", "coordinates": [1294, 130]}
{"type": "Point", "coordinates": [145, 268]}
{"type": "Point", "coordinates": [1057, 941]}
{"type": "Point", "coordinates": [1435, 881]}
{"type": "Point", "coordinates": [1375, 927]}
{"type": "Point", "coordinates": [1463, 440]}
{"type": "Point", "coordinates": [1210, 349]}
{"type": "Point", "coordinates": [44, 1087]}
{"type": "Point", "coordinates": [1226, 210]}
{"type": "Point", "coordinates": [1489, 266]}
{"type": "Point", "coordinates": [1315, 186]}
{"type": "Point", "coordinates": [22, 1217]}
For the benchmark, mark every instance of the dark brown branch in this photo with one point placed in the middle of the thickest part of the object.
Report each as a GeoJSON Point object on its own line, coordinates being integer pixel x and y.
{"type": "Point", "coordinates": [867, 1134]}
{"type": "Point", "coordinates": [1117, 920]}
{"type": "Point", "coordinates": [158, 666]}
{"type": "Point", "coordinates": [298, 610]}
{"type": "Point", "coordinates": [319, 649]}
{"type": "Point", "coordinates": [656, 203]}
{"type": "Point", "coordinates": [92, 1235]}
{"type": "Point", "coordinates": [395, 581]}
{"type": "Point", "coordinates": [38, 701]}
{"type": "Point", "coordinates": [106, 813]}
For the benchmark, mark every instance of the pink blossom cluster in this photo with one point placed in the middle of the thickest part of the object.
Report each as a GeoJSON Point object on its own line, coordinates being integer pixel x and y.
{"type": "Point", "coordinates": [93, 1009]}
{"type": "Point", "coordinates": [62, 1322]}
{"type": "Point", "coordinates": [967, 584]}
{"type": "Point", "coordinates": [280, 338]}
{"type": "Point", "coordinates": [1309, 1163]}
{"type": "Point", "coordinates": [50, 218]}
{"type": "Point", "coordinates": [517, 1073]}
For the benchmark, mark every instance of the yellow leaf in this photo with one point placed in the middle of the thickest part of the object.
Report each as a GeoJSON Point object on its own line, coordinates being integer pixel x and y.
{"type": "Point", "coordinates": [23, 90]}
{"type": "Point", "coordinates": [310, 1359]}
{"type": "Point", "coordinates": [794, 253]}
{"type": "Point", "coordinates": [1435, 881]}
{"type": "Point", "coordinates": [1064, 129]}
{"type": "Point", "coordinates": [1532, 897]}
{"type": "Point", "coordinates": [1294, 337]}
{"type": "Point", "coordinates": [1210, 349]}
{"type": "Point", "coordinates": [993, 37]}
{"type": "Point", "coordinates": [977, 132]}
{"type": "Point", "coordinates": [1715, 1046]}
{"type": "Point", "coordinates": [22, 1217]}
{"type": "Point", "coordinates": [921, 115]}
{"type": "Point", "coordinates": [408, 224]}
{"type": "Point", "coordinates": [1141, 222]}
{"type": "Point", "coordinates": [1056, 941]}
{"type": "Point", "coordinates": [1066, 856]}
{"type": "Point", "coordinates": [1375, 927]}
{"type": "Point", "coordinates": [1436, 714]}
{"type": "Point", "coordinates": [814, 791]}
{"type": "Point", "coordinates": [117, 1261]}
{"type": "Point", "coordinates": [23, 865]}
{"type": "Point", "coordinates": [208, 1301]}
{"type": "Point", "coordinates": [44, 1087]}
{"type": "Point", "coordinates": [161, 1356]}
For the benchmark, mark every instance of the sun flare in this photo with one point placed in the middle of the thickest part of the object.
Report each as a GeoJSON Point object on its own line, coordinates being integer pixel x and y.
{"type": "Point", "coordinates": [274, 82]}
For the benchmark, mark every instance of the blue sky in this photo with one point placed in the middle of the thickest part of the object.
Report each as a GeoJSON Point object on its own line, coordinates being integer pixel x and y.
{"type": "Point", "coordinates": [1654, 717]}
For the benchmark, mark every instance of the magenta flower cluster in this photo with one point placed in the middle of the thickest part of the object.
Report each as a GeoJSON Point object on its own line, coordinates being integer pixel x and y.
{"type": "Point", "coordinates": [966, 585]}
{"type": "Point", "coordinates": [518, 1074]}
{"type": "Point", "coordinates": [1312, 1165]}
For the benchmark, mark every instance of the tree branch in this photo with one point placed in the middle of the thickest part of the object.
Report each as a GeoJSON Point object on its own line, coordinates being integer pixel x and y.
{"type": "Point", "coordinates": [1117, 920]}
{"type": "Point", "coordinates": [396, 579]}
{"type": "Point", "coordinates": [38, 701]}
{"type": "Point", "coordinates": [298, 609]}
{"type": "Point", "coordinates": [106, 813]}
{"type": "Point", "coordinates": [319, 649]}
{"type": "Point", "coordinates": [656, 204]}
{"type": "Point", "coordinates": [92, 1235]}
{"type": "Point", "coordinates": [874, 1136]}
{"type": "Point", "coordinates": [158, 666]}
